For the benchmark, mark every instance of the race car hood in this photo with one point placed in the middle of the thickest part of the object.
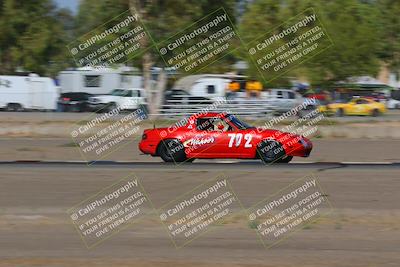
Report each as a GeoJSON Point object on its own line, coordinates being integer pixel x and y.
{"type": "Point", "coordinates": [269, 132]}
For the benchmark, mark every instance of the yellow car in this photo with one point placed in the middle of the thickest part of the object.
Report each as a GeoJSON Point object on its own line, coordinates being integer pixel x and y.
{"type": "Point", "coordinates": [358, 106]}
{"type": "Point", "coordinates": [323, 108]}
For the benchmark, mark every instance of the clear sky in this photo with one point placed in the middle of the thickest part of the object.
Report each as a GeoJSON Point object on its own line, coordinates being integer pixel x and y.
{"type": "Point", "coordinates": [71, 4]}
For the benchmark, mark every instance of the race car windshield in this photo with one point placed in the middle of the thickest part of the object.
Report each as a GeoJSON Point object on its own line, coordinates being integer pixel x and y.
{"type": "Point", "coordinates": [239, 124]}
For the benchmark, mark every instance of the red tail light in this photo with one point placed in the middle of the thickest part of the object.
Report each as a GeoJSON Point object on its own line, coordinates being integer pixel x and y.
{"type": "Point", "coordinates": [66, 99]}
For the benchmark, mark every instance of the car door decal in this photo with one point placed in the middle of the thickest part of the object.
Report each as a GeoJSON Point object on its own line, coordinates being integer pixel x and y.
{"type": "Point", "coordinates": [236, 139]}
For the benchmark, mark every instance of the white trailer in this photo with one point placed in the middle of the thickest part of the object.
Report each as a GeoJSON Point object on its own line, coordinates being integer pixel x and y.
{"type": "Point", "coordinates": [31, 92]}
{"type": "Point", "coordinates": [212, 86]}
{"type": "Point", "coordinates": [97, 81]}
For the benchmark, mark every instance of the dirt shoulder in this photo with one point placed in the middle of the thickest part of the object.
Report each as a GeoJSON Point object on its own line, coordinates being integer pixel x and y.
{"type": "Point", "coordinates": [60, 125]}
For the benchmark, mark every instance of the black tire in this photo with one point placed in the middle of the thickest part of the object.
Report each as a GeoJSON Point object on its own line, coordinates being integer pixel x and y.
{"type": "Point", "coordinates": [110, 107]}
{"type": "Point", "coordinates": [10, 107]}
{"type": "Point", "coordinates": [286, 159]}
{"type": "Point", "coordinates": [60, 107]}
{"type": "Point", "coordinates": [300, 114]}
{"type": "Point", "coordinates": [307, 110]}
{"type": "Point", "coordinates": [340, 112]}
{"type": "Point", "coordinates": [19, 108]}
{"type": "Point", "coordinates": [81, 107]}
{"type": "Point", "coordinates": [375, 113]}
{"type": "Point", "coordinates": [270, 151]}
{"type": "Point", "coordinates": [14, 107]}
{"type": "Point", "coordinates": [171, 150]}
{"type": "Point", "coordinates": [74, 108]}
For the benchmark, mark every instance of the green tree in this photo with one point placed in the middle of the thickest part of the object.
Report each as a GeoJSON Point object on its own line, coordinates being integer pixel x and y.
{"type": "Point", "coordinates": [93, 13]}
{"type": "Point", "coordinates": [353, 26]}
{"type": "Point", "coordinates": [260, 18]}
{"type": "Point", "coordinates": [31, 37]}
{"type": "Point", "coordinates": [390, 29]}
{"type": "Point", "coordinates": [162, 19]}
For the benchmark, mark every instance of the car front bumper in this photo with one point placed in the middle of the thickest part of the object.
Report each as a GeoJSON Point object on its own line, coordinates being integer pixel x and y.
{"type": "Point", "coordinates": [148, 147]}
{"type": "Point", "coordinates": [302, 148]}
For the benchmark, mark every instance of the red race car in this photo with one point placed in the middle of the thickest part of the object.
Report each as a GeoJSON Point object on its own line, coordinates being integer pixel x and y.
{"type": "Point", "coordinates": [221, 135]}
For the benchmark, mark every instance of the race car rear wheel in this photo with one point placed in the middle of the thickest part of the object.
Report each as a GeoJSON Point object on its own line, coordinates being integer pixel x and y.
{"type": "Point", "coordinates": [171, 150]}
{"type": "Point", "coordinates": [270, 151]}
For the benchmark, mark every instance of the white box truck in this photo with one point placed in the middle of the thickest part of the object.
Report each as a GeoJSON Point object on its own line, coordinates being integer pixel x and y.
{"type": "Point", "coordinates": [31, 92]}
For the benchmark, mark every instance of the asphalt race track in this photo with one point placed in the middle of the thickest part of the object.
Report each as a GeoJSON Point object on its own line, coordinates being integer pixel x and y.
{"type": "Point", "coordinates": [202, 165]}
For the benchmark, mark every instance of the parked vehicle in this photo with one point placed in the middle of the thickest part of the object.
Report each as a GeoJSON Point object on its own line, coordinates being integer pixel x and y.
{"type": "Point", "coordinates": [283, 99]}
{"type": "Point", "coordinates": [393, 103]}
{"type": "Point", "coordinates": [183, 98]}
{"type": "Point", "coordinates": [73, 102]}
{"type": "Point", "coordinates": [18, 93]}
{"type": "Point", "coordinates": [323, 107]}
{"type": "Point", "coordinates": [358, 106]}
{"type": "Point", "coordinates": [122, 98]}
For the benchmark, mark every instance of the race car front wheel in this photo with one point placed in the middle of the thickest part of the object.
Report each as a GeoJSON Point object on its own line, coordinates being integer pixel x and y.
{"type": "Point", "coordinates": [171, 150]}
{"type": "Point", "coordinates": [270, 151]}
